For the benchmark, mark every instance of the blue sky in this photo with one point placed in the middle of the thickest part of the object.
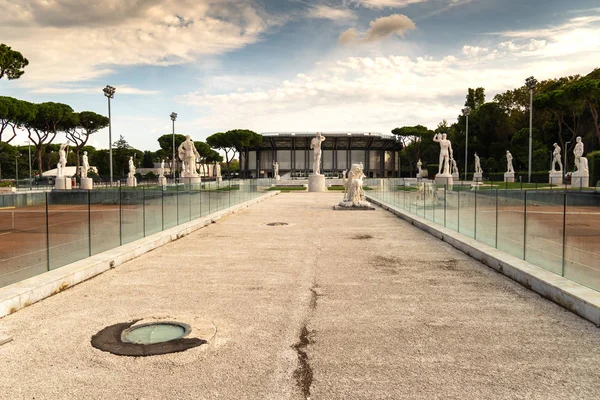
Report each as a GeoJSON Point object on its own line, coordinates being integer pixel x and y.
{"type": "Point", "coordinates": [297, 65]}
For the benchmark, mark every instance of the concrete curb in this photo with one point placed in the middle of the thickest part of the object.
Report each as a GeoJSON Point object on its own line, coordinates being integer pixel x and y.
{"type": "Point", "coordinates": [21, 294]}
{"type": "Point", "coordinates": [573, 296]}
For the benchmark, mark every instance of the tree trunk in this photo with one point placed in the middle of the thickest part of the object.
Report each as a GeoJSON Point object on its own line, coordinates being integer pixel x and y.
{"type": "Point", "coordinates": [77, 169]}
{"type": "Point", "coordinates": [38, 152]}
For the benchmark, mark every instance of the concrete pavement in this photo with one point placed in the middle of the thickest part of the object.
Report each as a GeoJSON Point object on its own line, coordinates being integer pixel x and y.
{"type": "Point", "coordinates": [335, 305]}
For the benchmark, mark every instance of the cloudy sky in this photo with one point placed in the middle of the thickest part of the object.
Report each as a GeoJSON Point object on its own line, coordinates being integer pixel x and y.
{"type": "Point", "coordinates": [295, 65]}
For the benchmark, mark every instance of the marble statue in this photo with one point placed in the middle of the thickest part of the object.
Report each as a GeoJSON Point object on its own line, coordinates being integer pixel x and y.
{"type": "Point", "coordinates": [581, 162]}
{"type": "Point", "coordinates": [556, 159]}
{"type": "Point", "coordinates": [454, 167]}
{"type": "Point", "coordinates": [446, 153]}
{"type": "Point", "coordinates": [354, 194]}
{"type": "Point", "coordinates": [131, 168]}
{"type": "Point", "coordinates": [86, 165]}
{"type": "Point", "coordinates": [315, 144]}
{"type": "Point", "coordinates": [62, 159]}
{"type": "Point", "coordinates": [509, 164]}
{"type": "Point", "coordinates": [275, 168]}
{"type": "Point", "coordinates": [478, 169]}
{"type": "Point", "coordinates": [218, 170]}
{"type": "Point", "coordinates": [419, 169]}
{"type": "Point", "coordinates": [188, 154]}
{"type": "Point", "coordinates": [162, 168]}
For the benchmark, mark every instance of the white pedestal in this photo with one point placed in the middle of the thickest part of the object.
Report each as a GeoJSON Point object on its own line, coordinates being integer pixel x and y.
{"type": "Point", "coordinates": [87, 183]}
{"type": "Point", "coordinates": [277, 177]}
{"type": "Point", "coordinates": [477, 177]}
{"type": "Point", "coordinates": [509, 177]}
{"type": "Point", "coordinates": [132, 182]}
{"type": "Point", "coordinates": [62, 183]}
{"type": "Point", "coordinates": [192, 180]}
{"type": "Point", "coordinates": [580, 181]}
{"type": "Point", "coordinates": [555, 178]}
{"type": "Point", "coordinates": [455, 175]}
{"type": "Point", "coordinates": [441, 180]}
{"type": "Point", "coordinates": [162, 181]}
{"type": "Point", "coordinates": [316, 183]}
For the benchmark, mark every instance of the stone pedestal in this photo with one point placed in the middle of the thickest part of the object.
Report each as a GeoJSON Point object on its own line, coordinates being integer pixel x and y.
{"type": "Point", "coordinates": [132, 182]}
{"type": "Point", "coordinates": [477, 177]}
{"type": "Point", "coordinates": [444, 179]}
{"type": "Point", "coordinates": [316, 183]}
{"type": "Point", "coordinates": [455, 176]}
{"type": "Point", "coordinates": [277, 177]}
{"type": "Point", "coordinates": [509, 177]}
{"type": "Point", "coordinates": [580, 180]}
{"type": "Point", "coordinates": [162, 181]}
{"type": "Point", "coordinates": [62, 183]}
{"type": "Point", "coordinates": [192, 180]}
{"type": "Point", "coordinates": [555, 178]}
{"type": "Point", "coordinates": [87, 183]}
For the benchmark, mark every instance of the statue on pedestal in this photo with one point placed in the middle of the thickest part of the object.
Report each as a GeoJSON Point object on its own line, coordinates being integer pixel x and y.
{"type": "Point", "coordinates": [354, 194]}
{"type": "Point", "coordinates": [131, 168]}
{"type": "Point", "coordinates": [218, 170]}
{"type": "Point", "coordinates": [509, 164]}
{"type": "Point", "coordinates": [478, 169]}
{"type": "Point", "coordinates": [162, 168]}
{"type": "Point", "coordinates": [275, 169]}
{"type": "Point", "coordinates": [86, 165]}
{"type": "Point", "coordinates": [188, 154]}
{"type": "Point", "coordinates": [556, 159]}
{"type": "Point", "coordinates": [62, 159]}
{"type": "Point", "coordinates": [581, 163]}
{"type": "Point", "coordinates": [454, 167]}
{"type": "Point", "coordinates": [315, 144]}
{"type": "Point", "coordinates": [419, 169]}
{"type": "Point", "coordinates": [445, 153]}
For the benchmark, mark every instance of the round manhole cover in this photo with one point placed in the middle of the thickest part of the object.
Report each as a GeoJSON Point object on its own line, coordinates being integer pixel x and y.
{"type": "Point", "coordinates": [277, 224]}
{"type": "Point", "coordinates": [155, 332]}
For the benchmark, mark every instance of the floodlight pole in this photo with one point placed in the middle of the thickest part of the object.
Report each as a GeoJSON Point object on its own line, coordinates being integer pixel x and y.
{"type": "Point", "coordinates": [173, 118]}
{"type": "Point", "coordinates": [530, 82]}
{"type": "Point", "coordinates": [109, 92]}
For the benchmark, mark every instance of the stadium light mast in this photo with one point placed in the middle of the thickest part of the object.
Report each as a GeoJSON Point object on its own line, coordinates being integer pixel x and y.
{"type": "Point", "coordinates": [466, 111]}
{"type": "Point", "coordinates": [173, 118]}
{"type": "Point", "coordinates": [109, 92]}
{"type": "Point", "coordinates": [531, 83]}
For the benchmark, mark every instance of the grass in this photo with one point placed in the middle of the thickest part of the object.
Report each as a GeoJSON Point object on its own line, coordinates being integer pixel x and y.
{"type": "Point", "coordinates": [287, 188]}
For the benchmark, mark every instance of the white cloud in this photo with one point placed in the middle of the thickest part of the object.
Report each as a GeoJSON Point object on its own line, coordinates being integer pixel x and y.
{"type": "Point", "coordinates": [69, 40]}
{"type": "Point", "coordinates": [379, 93]}
{"type": "Point", "coordinates": [380, 28]}
{"type": "Point", "coordinates": [322, 11]}
{"type": "Point", "coordinates": [92, 90]}
{"type": "Point", "coordinates": [383, 3]}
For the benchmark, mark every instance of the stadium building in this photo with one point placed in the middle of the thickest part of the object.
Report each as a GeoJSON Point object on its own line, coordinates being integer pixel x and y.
{"type": "Point", "coordinates": [378, 153]}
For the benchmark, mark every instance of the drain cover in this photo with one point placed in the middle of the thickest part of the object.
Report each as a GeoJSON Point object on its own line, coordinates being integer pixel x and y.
{"type": "Point", "coordinates": [277, 223]}
{"type": "Point", "coordinates": [155, 332]}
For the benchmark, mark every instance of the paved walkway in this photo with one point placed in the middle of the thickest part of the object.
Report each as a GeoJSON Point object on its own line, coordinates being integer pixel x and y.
{"type": "Point", "coordinates": [337, 305]}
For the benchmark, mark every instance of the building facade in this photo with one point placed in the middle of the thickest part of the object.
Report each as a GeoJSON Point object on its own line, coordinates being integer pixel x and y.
{"type": "Point", "coordinates": [377, 152]}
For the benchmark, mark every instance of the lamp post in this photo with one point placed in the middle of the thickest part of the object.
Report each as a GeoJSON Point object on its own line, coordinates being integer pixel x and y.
{"type": "Point", "coordinates": [466, 111]}
{"type": "Point", "coordinates": [29, 147]}
{"type": "Point", "coordinates": [17, 169]}
{"type": "Point", "coordinates": [531, 83]}
{"type": "Point", "coordinates": [109, 92]}
{"type": "Point", "coordinates": [173, 118]}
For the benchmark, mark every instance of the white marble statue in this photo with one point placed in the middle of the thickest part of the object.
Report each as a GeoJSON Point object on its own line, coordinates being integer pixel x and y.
{"type": "Point", "coordinates": [62, 159]}
{"type": "Point", "coordinates": [556, 159]}
{"type": "Point", "coordinates": [454, 167]}
{"type": "Point", "coordinates": [188, 154]}
{"type": "Point", "coordinates": [86, 165]}
{"type": "Point", "coordinates": [315, 144]}
{"type": "Point", "coordinates": [275, 168]}
{"type": "Point", "coordinates": [446, 153]}
{"type": "Point", "coordinates": [419, 169]}
{"type": "Point", "coordinates": [354, 194]}
{"type": "Point", "coordinates": [162, 168]}
{"type": "Point", "coordinates": [218, 170]}
{"type": "Point", "coordinates": [509, 164]}
{"type": "Point", "coordinates": [581, 162]}
{"type": "Point", "coordinates": [131, 168]}
{"type": "Point", "coordinates": [478, 169]}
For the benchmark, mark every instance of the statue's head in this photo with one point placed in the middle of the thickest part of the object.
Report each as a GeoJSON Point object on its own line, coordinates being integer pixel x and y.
{"type": "Point", "coordinates": [187, 137]}
{"type": "Point", "coordinates": [130, 157]}
{"type": "Point", "coordinates": [555, 144]}
{"type": "Point", "coordinates": [475, 153]}
{"type": "Point", "coordinates": [444, 136]}
{"type": "Point", "coordinates": [578, 139]}
{"type": "Point", "coordinates": [85, 153]}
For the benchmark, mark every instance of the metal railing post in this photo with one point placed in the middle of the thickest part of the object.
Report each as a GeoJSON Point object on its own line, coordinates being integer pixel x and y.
{"type": "Point", "coordinates": [524, 224]}
{"type": "Point", "coordinates": [564, 242]}
{"type": "Point", "coordinates": [47, 234]}
{"type": "Point", "coordinates": [90, 222]}
{"type": "Point", "coordinates": [120, 216]}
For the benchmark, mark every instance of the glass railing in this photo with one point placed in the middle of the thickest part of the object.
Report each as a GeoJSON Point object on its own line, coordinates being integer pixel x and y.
{"type": "Point", "coordinates": [42, 231]}
{"type": "Point", "coordinates": [558, 230]}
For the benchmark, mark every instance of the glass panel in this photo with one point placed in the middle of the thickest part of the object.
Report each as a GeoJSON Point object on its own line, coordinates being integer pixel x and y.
{"type": "Point", "coordinates": [341, 160]}
{"type": "Point", "coordinates": [132, 214]}
{"type": "Point", "coordinates": [582, 252]}
{"type": "Point", "coordinates": [170, 207]}
{"type": "Point", "coordinates": [195, 201]}
{"type": "Point", "coordinates": [106, 220]}
{"type": "Point", "coordinates": [510, 223]}
{"type": "Point", "coordinates": [452, 209]}
{"type": "Point", "coordinates": [357, 156]}
{"type": "Point", "coordinates": [467, 213]}
{"type": "Point", "coordinates": [183, 204]}
{"type": "Point", "coordinates": [204, 204]}
{"type": "Point", "coordinates": [300, 162]}
{"type": "Point", "coordinates": [545, 229]}
{"type": "Point", "coordinates": [23, 237]}
{"type": "Point", "coordinates": [374, 159]}
{"type": "Point", "coordinates": [284, 159]}
{"type": "Point", "coordinates": [327, 159]}
{"type": "Point", "coordinates": [266, 160]}
{"type": "Point", "coordinates": [486, 216]}
{"type": "Point", "coordinates": [153, 210]}
{"type": "Point", "coordinates": [389, 161]}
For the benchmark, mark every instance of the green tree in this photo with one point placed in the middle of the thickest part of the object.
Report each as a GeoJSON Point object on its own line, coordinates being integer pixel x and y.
{"type": "Point", "coordinates": [166, 144]}
{"type": "Point", "coordinates": [79, 126]}
{"type": "Point", "coordinates": [148, 161]}
{"type": "Point", "coordinates": [417, 142]}
{"type": "Point", "coordinates": [234, 141]}
{"type": "Point", "coordinates": [121, 153]}
{"type": "Point", "coordinates": [12, 63]}
{"type": "Point", "coordinates": [588, 89]}
{"type": "Point", "coordinates": [475, 98]}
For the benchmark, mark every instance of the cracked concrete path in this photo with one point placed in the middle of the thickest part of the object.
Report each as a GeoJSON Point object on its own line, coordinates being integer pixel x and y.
{"type": "Point", "coordinates": [335, 305]}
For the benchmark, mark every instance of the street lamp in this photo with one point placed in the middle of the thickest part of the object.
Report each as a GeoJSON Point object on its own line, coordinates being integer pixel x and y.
{"type": "Point", "coordinates": [466, 111]}
{"type": "Point", "coordinates": [173, 118]}
{"type": "Point", "coordinates": [531, 83]}
{"type": "Point", "coordinates": [109, 92]}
